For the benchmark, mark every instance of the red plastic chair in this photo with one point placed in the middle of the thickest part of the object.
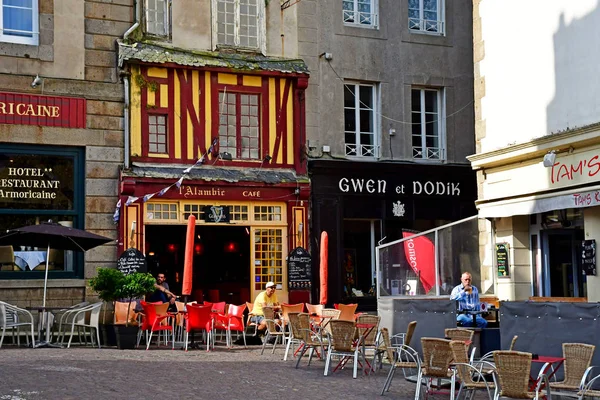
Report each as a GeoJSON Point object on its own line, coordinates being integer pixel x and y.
{"type": "Point", "coordinates": [152, 322]}
{"type": "Point", "coordinates": [233, 321]}
{"type": "Point", "coordinates": [198, 318]}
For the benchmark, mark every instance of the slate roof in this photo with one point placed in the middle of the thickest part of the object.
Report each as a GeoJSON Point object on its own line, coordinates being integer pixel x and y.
{"type": "Point", "coordinates": [212, 173]}
{"type": "Point", "coordinates": [160, 54]}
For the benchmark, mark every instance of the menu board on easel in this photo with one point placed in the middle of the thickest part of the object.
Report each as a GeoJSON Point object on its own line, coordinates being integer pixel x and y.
{"type": "Point", "coordinates": [299, 269]}
{"type": "Point", "coordinates": [588, 257]}
{"type": "Point", "coordinates": [502, 259]}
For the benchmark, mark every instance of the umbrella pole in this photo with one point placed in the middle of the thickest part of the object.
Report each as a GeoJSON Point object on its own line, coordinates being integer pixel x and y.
{"type": "Point", "coordinates": [46, 276]}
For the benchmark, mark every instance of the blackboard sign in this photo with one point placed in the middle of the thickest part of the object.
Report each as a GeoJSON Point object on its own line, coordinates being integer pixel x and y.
{"type": "Point", "coordinates": [132, 260]}
{"type": "Point", "coordinates": [588, 257]}
{"type": "Point", "coordinates": [216, 214]}
{"type": "Point", "coordinates": [299, 269]}
{"type": "Point", "coordinates": [502, 259]}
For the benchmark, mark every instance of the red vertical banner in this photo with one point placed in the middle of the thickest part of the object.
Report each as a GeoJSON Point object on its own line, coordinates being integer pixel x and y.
{"type": "Point", "coordinates": [323, 267]}
{"type": "Point", "coordinates": [188, 263]}
{"type": "Point", "coordinates": [420, 255]}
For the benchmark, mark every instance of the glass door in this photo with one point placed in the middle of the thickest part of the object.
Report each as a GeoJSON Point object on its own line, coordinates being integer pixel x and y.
{"type": "Point", "coordinates": [562, 273]}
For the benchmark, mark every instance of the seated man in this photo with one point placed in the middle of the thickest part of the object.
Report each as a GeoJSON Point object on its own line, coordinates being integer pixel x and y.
{"type": "Point", "coordinates": [268, 298]}
{"type": "Point", "coordinates": [467, 296]}
{"type": "Point", "coordinates": [162, 293]}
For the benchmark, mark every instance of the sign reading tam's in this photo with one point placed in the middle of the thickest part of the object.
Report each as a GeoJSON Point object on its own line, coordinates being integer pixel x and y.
{"type": "Point", "coordinates": [26, 109]}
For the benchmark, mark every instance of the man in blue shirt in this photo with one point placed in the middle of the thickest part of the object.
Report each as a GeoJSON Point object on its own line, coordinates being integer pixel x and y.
{"type": "Point", "coordinates": [467, 296]}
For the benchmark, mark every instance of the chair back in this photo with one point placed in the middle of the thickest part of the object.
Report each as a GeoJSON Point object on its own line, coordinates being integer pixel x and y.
{"type": "Point", "coordinates": [437, 356]}
{"type": "Point", "coordinates": [342, 335]}
{"type": "Point", "coordinates": [7, 259]}
{"type": "Point", "coordinates": [198, 317]}
{"type": "Point", "coordinates": [302, 329]}
{"type": "Point", "coordinates": [121, 308]}
{"type": "Point", "coordinates": [410, 330]}
{"type": "Point", "coordinates": [269, 313]}
{"type": "Point", "coordinates": [95, 314]}
{"type": "Point", "coordinates": [347, 311]}
{"type": "Point", "coordinates": [460, 353]}
{"type": "Point", "coordinates": [459, 334]}
{"type": "Point", "coordinates": [219, 307]}
{"type": "Point", "coordinates": [578, 357]}
{"type": "Point", "coordinates": [294, 323]}
{"type": "Point", "coordinates": [314, 309]}
{"type": "Point", "coordinates": [371, 320]}
{"type": "Point", "coordinates": [513, 369]}
{"type": "Point", "coordinates": [288, 308]}
{"type": "Point", "coordinates": [236, 311]}
{"type": "Point", "coordinates": [328, 314]}
{"type": "Point", "coordinates": [250, 307]}
{"type": "Point", "coordinates": [513, 342]}
{"type": "Point", "coordinates": [152, 312]}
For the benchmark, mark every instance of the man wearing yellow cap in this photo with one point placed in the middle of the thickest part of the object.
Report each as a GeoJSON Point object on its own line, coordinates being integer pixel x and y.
{"type": "Point", "coordinates": [268, 298]}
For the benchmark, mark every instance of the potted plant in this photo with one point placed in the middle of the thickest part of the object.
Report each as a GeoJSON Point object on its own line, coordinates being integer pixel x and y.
{"type": "Point", "coordinates": [125, 287]}
{"type": "Point", "coordinates": [104, 284]}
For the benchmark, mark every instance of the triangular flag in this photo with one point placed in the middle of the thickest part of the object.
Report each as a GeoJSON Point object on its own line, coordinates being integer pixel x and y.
{"type": "Point", "coordinates": [148, 196]}
{"type": "Point", "coordinates": [117, 212]}
{"type": "Point", "coordinates": [130, 200]}
{"type": "Point", "coordinates": [164, 190]}
{"type": "Point", "coordinates": [178, 183]}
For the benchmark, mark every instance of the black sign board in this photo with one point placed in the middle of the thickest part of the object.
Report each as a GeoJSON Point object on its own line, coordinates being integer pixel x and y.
{"type": "Point", "coordinates": [299, 269]}
{"type": "Point", "coordinates": [502, 259]}
{"type": "Point", "coordinates": [588, 257]}
{"type": "Point", "coordinates": [216, 214]}
{"type": "Point", "coordinates": [132, 260]}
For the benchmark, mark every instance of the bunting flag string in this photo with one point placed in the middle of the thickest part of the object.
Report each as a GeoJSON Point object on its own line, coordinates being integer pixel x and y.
{"type": "Point", "coordinates": [178, 183]}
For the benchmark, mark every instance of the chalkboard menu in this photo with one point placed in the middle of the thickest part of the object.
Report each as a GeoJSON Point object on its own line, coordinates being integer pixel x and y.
{"type": "Point", "coordinates": [132, 260]}
{"type": "Point", "coordinates": [502, 259]}
{"type": "Point", "coordinates": [299, 269]}
{"type": "Point", "coordinates": [588, 257]}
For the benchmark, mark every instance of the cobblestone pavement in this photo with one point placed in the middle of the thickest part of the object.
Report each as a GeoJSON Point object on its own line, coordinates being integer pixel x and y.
{"type": "Point", "coordinates": [238, 373]}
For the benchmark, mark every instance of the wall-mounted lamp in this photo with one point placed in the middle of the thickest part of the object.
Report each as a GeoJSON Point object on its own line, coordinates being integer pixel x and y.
{"type": "Point", "coordinates": [267, 159]}
{"type": "Point", "coordinates": [37, 81]}
{"type": "Point", "coordinates": [549, 159]}
{"type": "Point", "coordinates": [226, 156]}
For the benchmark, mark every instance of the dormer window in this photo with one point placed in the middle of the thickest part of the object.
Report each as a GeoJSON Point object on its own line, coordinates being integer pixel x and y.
{"type": "Point", "coordinates": [239, 23]}
{"type": "Point", "coordinates": [157, 18]}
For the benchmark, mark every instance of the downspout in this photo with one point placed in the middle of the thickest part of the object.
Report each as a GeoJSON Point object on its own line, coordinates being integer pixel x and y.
{"type": "Point", "coordinates": [126, 89]}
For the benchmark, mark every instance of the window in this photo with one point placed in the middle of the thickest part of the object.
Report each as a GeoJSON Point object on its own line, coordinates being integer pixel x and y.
{"type": "Point", "coordinates": [165, 211]}
{"type": "Point", "coordinates": [268, 257]}
{"type": "Point", "coordinates": [427, 124]}
{"type": "Point", "coordinates": [157, 17]}
{"type": "Point", "coordinates": [239, 125]}
{"type": "Point", "coordinates": [157, 134]}
{"type": "Point", "coordinates": [360, 12]}
{"type": "Point", "coordinates": [426, 16]}
{"type": "Point", "coordinates": [19, 21]}
{"type": "Point", "coordinates": [360, 108]}
{"type": "Point", "coordinates": [239, 23]}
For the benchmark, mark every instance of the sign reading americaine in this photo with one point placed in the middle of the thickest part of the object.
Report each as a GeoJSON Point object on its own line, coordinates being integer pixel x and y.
{"type": "Point", "coordinates": [380, 186]}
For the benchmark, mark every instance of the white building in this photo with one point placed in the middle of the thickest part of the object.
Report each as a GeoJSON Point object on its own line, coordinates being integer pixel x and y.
{"type": "Point", "coordinates": [537, 114]}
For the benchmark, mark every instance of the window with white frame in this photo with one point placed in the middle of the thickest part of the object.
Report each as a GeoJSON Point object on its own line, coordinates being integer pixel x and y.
{"type": "Point", "coordinates": [427, 124]}
{"type": "Point", "coordinates": [19, 22]}
{"type": "Point", "coordinates": [157, 134]}
{"type": "Point", "coordinates": [360, 12]}
{"type": "Point", "coordinates": [239, 23]}
{"type": "Point", "coordinates": [426, 16]}
{"type": "Point", "coordinates": [157, 17]}
{"type": "Point", "coordinates": [360, 126]}
{"type": "Point", "coordinates": [239, 125]}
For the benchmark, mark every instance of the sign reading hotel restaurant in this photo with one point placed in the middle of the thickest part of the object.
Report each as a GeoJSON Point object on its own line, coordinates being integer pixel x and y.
{"type": "Point", "coordinates": [299, 269]}
{"type": "Point", "coordinates": [132, 260]}
{"type": "Point", "coordinates": [26, 109]}
{"type": "Point", "coordinates": [588, 257]}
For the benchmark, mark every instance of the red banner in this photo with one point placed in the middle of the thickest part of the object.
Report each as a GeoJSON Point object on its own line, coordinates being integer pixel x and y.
{"type": "Point", "coordinates": [26, 109]}
{"type": "Point", "coordinates": [420, 255]}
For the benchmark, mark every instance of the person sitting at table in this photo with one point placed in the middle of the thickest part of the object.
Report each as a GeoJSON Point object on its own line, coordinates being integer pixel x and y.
{"type": "Point", "coordinates": [267, 298]}
{"type": "Point", "coordinates": [162, 293]}
{"type": "Point", "coordinates": [467, 297]}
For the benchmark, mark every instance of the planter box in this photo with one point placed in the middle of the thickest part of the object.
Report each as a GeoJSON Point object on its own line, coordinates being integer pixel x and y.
{"type": "Point", "coordinates": [126, 336]}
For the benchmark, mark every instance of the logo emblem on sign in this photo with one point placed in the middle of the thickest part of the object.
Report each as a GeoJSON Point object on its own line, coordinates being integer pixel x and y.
{"type": "Point", "coordinates": [216, 213]}
{"type": "Point", "coordinates": [398, 209]}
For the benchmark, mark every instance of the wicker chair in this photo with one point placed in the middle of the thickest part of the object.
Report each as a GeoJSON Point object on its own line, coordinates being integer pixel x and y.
{"type": "Point", "coordinates": [310, 339]}
{"type": "Point", "coordinates": [513, 369]}
{"type": "Point", "coordinates": [314, 309]}
{"type": "Point", "coordinates": [471, 377]}
{"type": "Point", "coordinates": [294, 336]}
{"type": "Point", "coordinates": [327, 315]}
{"type": "Point", "coordinates": [578, 357]}
{"type": "Point", "coordinates": [437, 357]}
{"type": "Point", "coordinates": [404, 357]}
{"type": "Point", "coordinates": [274, 329]}
{"type": "Point", "coordinates": [371, 341]}
{"type": "Point", "coordinates": [459, 334]}
{"type": "Point", "coordinates": [343, 344]}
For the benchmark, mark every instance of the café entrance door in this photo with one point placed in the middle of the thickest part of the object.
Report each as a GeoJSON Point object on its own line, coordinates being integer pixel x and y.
{"type": "Point", "coordinates": [561, 268]}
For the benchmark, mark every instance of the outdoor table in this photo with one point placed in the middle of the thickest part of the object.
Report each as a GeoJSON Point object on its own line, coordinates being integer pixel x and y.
{"type": "Point", "coordinates": [549, 362]}
{"type": "Point", "coordinates": [41, 310]}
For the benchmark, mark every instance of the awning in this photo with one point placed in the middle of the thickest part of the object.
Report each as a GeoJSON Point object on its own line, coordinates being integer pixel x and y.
{"type": "Point", "coordinates": [577, 198]}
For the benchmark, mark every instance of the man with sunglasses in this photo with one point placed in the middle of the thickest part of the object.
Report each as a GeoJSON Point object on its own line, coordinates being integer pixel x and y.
{"type": "Point", "coordinates": [268, 298]}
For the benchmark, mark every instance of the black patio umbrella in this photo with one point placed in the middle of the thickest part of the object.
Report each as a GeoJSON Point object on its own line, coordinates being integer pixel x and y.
{"type": "Point", "coordinates": [55, 236]}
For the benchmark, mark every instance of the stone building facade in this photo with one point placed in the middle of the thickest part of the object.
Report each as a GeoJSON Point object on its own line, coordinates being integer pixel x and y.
{"type": "Point", "coordinates": [60, 59]}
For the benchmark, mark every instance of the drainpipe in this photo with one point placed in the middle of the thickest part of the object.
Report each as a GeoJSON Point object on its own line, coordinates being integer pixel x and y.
{"type": "Point", "coordinates": [126, 88]}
